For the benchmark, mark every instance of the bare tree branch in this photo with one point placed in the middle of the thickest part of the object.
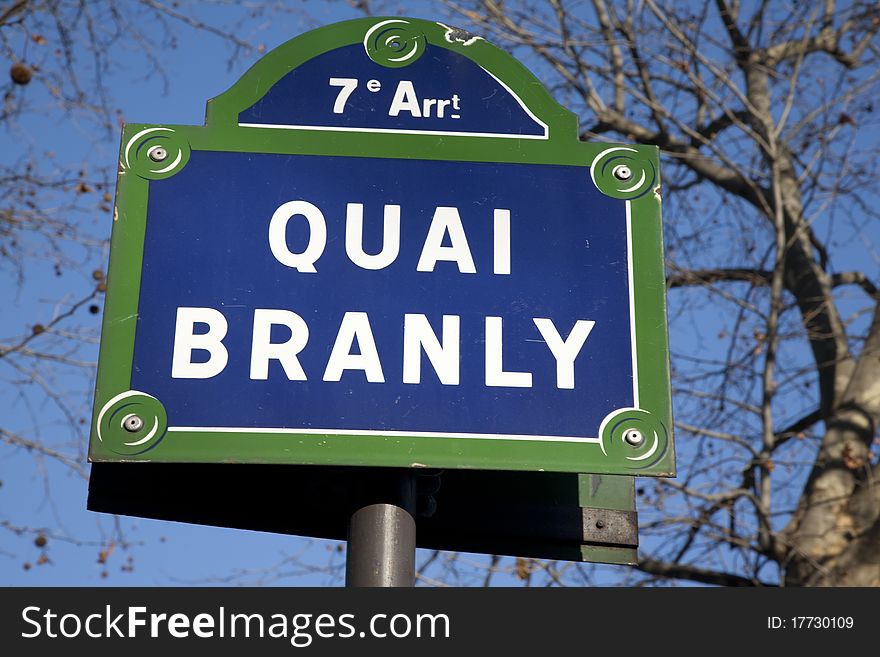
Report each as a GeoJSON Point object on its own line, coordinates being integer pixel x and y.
{"type": "Point", "coordinates": [696, 574]}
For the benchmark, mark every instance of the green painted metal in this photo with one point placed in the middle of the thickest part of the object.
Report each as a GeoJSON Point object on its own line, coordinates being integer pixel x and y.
{"type": "Point", "coordinates": [606, 492]}
{"type": "Point", "coordinates": [109, 442]}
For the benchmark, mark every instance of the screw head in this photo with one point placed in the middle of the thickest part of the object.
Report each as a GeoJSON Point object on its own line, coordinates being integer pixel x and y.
{"type": "Point", "coordinates": [600, 524]}
{"type": "Point", "coordinates": [634, 437]}
{"type": "Point", "coordinates": [132, 423]}
{"type": "Point", "coordinates": [157, 154]}
{"type": "Point", "coordinates": [622, 172]}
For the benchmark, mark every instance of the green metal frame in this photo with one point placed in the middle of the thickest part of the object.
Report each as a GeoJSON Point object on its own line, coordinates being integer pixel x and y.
{"type": "Point", "coordinates": [608, 453]}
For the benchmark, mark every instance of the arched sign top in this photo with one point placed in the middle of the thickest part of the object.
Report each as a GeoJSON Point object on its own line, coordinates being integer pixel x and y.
{"type": "Point", "coordinates": [397, 76]}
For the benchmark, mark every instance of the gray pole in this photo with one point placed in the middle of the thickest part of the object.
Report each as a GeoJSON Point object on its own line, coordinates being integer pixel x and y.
{"type": "Point", "coordinates": [382, 532]}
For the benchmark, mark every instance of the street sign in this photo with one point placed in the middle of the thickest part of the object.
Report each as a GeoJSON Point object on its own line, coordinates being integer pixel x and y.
{"type": "Point", "coordinates": [386, 247]}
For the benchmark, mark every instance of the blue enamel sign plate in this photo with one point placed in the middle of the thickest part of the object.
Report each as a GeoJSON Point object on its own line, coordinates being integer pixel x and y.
{"type": "Point", "coordinates": [455, 335]}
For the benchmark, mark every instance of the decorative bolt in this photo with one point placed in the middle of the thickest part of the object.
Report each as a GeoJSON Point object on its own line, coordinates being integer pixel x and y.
{"type": "Point", "coordinates": [634, 437]}
{"type": "Point", "coordinates": [600, 524]}
{"type": "Point", "coordinates": [622, 172]}
{"type": "Point", "coordinates": [133, 424]}
{"type": "Point", "coordinates": [157, 154]}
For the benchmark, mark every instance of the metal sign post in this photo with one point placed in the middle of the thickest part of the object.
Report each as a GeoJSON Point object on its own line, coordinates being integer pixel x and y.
{"type": "Point", "coordinates": [382, 532]}
{"type": "Point", "coordinates": [386, 248]}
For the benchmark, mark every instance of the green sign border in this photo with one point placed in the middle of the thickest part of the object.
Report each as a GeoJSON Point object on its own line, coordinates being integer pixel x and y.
{"type": "Point", "coordinates": [608, 453]}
